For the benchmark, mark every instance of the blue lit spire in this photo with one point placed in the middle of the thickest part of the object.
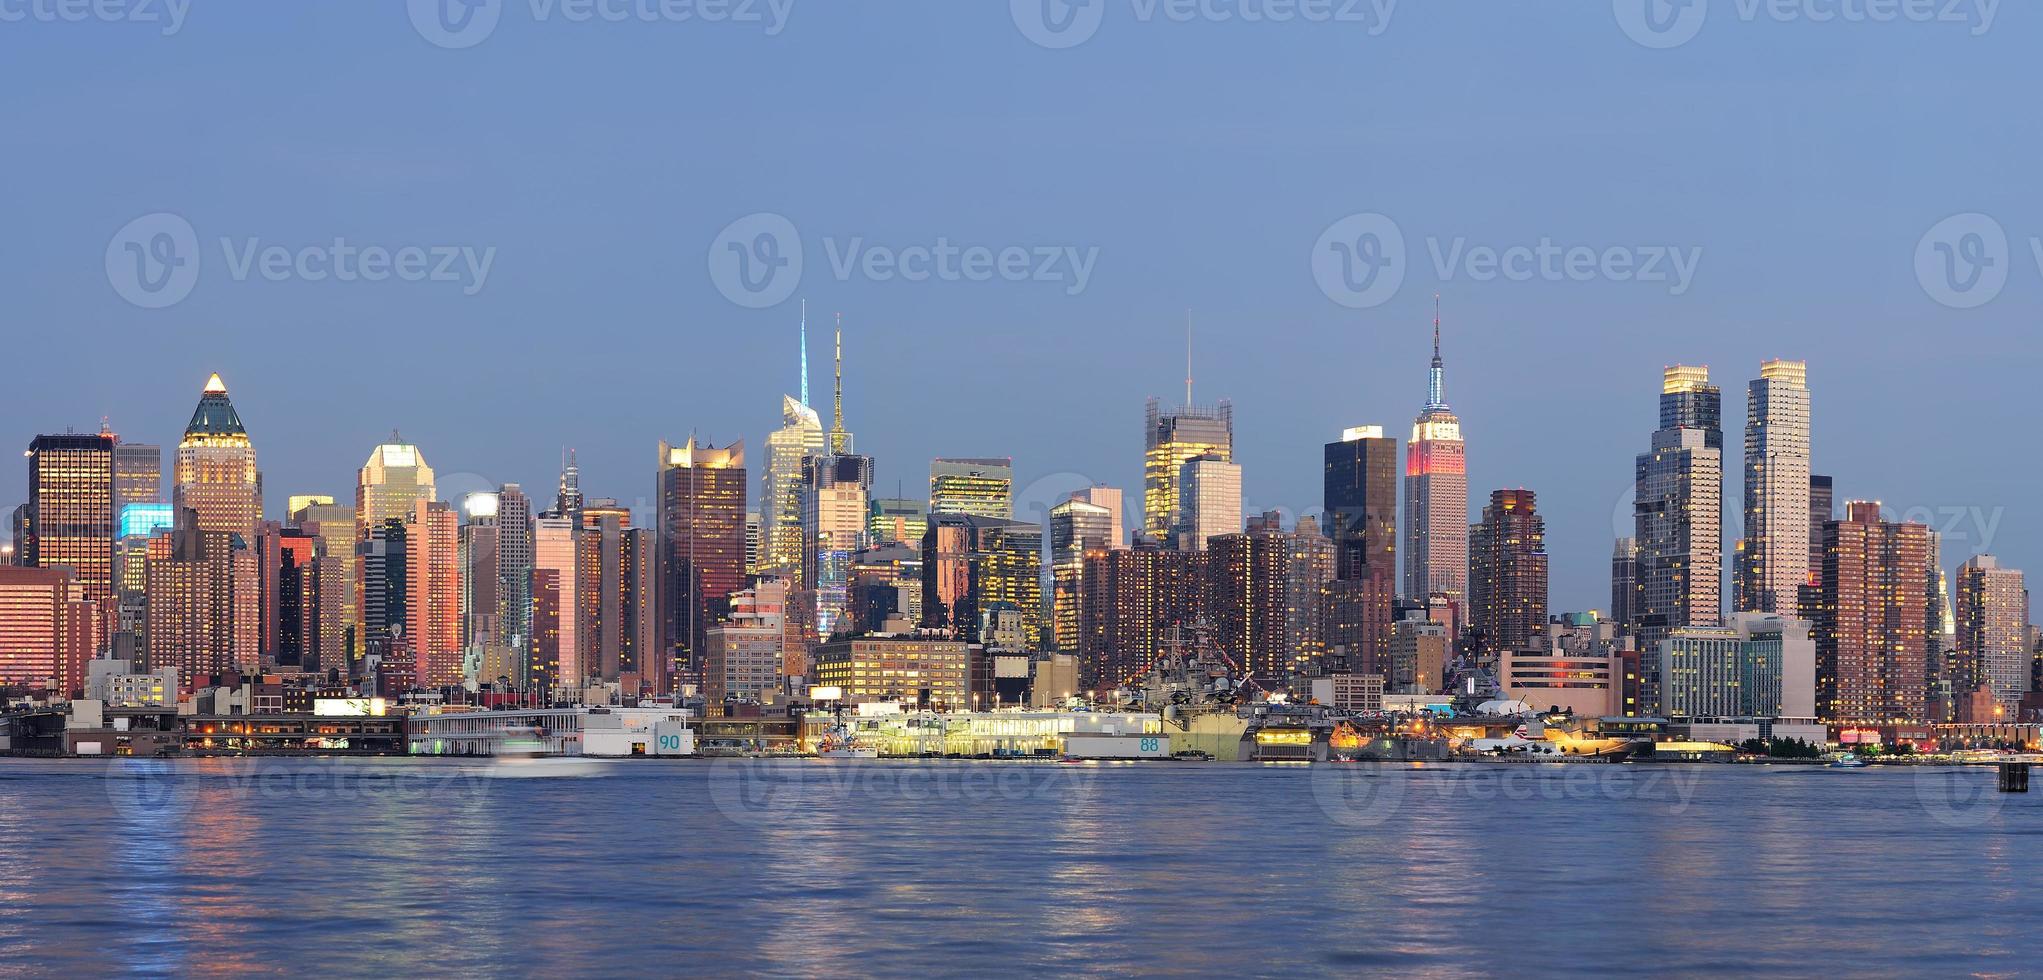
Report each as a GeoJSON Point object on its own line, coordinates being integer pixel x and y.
{"type": "Point", "coordinates": [1436, 382]}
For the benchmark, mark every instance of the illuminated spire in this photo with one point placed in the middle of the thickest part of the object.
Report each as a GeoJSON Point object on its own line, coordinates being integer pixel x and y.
{"type": "Point", "coordinates": [215, 386]}
{"type": "Point", "coordinates": [805, 352]}
{"type": "Point", "coordinates": [840, 440]}
{"type": "Point", "coordinates": [1436, 381]}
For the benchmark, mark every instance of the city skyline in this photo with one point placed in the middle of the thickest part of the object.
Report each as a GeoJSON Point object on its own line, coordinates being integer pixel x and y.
{"type": "Point", "coordinates": [1588, 574]}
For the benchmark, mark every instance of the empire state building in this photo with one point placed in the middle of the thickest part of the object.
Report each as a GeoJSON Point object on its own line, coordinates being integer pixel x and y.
{"type": "Point", "coordinates": [1436, 495]}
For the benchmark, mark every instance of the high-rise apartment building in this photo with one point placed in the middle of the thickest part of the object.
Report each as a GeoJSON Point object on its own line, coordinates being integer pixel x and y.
{"type": "Point", "coordinates": [48, 628]}
{"type": "Point", "coordinates": [979, 487]}
{"type": "Point", "coordinates": [1436, 494]}
{"type": "Point", "coordinates": [333, 524]}
{"type": "Point", "coordinates": [1359, 493]}
{"type": "Point", "coordinates": [1624, 582]}
{"type": "Point", "coordinates": [1822, 510]}
{"type": "Point", "coordinates": [1265, 590]}
{"type": "Point", "coordinates": [1172, 438]}
{"type": "Point", "coordinates": [433, 603]}
{"type": "Point", "coordinates": [1872, 619]}
{"type": "Point", "coordinates": [204, 612]}
{"type": "Point", "coordinates": [215, 475]}
{"type": "Point", "coordinates": [557, 660]}
{"type": "Point", "coordinates": [514, 575]}
{"type": "Point", "coordinates": [138, 474]}
{"type": "Point", "coordinates": [1678, 514]}
{"type": "Point", "coordinates": [1773, 557]}
{"type": "Point", "coordinates": [1508, 572]}
{"type": "Point", "coordinates": [1993, 650]}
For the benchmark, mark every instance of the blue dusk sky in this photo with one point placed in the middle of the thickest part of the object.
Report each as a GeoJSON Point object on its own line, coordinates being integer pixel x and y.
{"type": "Point", "coordinates": [179, 175]}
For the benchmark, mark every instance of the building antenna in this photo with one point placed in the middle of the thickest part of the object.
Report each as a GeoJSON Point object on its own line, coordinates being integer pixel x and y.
{"type": "Point", "coordinates": [837, 440]}
{"type": "Point", "coordinates": [805, 352]}
{"type": "Point", "coordinates": [1188, 357]}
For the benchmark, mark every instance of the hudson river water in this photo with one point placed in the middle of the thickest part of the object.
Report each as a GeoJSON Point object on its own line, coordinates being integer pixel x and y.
{"type": "Point", "coordinates": [915, 869]}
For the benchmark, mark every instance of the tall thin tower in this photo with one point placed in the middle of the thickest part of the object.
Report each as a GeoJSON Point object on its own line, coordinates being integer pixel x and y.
{"type": "Point", "coordinates": [840, 440]}
{"type": "Point", "coordinates": [1436, 492]}
{"type": "Point", "coordinates": [1773, 556]}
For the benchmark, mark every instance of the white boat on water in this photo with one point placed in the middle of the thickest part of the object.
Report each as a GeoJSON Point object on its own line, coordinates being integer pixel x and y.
{"type": "Point", "coordinates": [521, 755]}
{"type": "Point", "coordinates": [1847, 760]}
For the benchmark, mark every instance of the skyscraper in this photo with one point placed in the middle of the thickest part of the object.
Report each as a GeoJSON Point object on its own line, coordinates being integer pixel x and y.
{"type": "Point", "coordinates": [215, 475]}
{"type": "Point", "coordinates": [1872, 619]}
{"type": "Point", "coordinates": [394, 478]}
{"type": "Point", "coordinates": [840, 437]}
{"type": "Point", "coordinates": [1508, 572]}
{"type": "Point", "coordinates": [780, 508]}
{"type": "Point", "coordinates": [514, 575]}
{"type": "Point", "coordinates": [981, 487]}
{"type": "Point", "coordinates": [433, 602]}
{"type": "Point", "coordinates": [556, 662]}
{"type": "Point", "coordinates": [1359, 493]}
{"type": "Point", "coordinates": [1822, 510]}
{"type": "Point", "coordinates": [204, 615]}
{"type": "Point", "coordinates": [898, 520]}
{"type": "Point", "coordinates": [1436, 493]}
{"type": "Point", "coordinates": [1678, 513]}
{"type": "Point", "coordinates": [1173, 437]}
{"type": "Point", "coordinates": [1624, 582]}
{"type": "Point", "coordinates": [1209, 501]}
{"type": "Point", "coordinates": [334, 525]}
{"type": "Point", "coordinates": [138, 474]}
{"type": "Point", "coordinates": [1076, 527]}
{"type": "Point", "coordinates": [1993, 633]}
{"type": "Point", "coordinates": [835, 491]}
{"type": "Point", "coordinates": [71, 503]}
{"type": "Point", "coordinates": [1773, 557]}
{"type": "Point", "coordinates": [701, 504]}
